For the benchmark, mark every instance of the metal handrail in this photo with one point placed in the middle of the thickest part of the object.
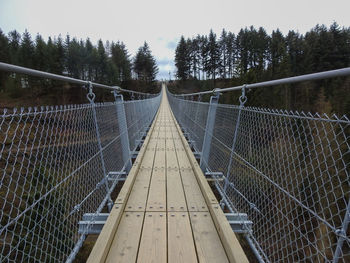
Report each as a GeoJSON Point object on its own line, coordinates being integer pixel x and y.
{"type": "Point", "coordinates": [38, 73]}
{"type": "Point", "coordinates": [308, 77]}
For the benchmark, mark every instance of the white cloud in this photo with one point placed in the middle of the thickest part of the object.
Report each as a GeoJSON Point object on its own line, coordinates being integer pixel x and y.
{"type": "Point", "coordinates": [162, 22]}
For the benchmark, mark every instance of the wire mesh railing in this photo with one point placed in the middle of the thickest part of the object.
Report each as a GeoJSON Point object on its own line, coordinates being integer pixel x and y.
{"type": "Point", "coordinates": [58, 163]}
{"type": "Point", "coordinates": [53, 171]}
{"type": "Point", "coordinates": [288, 171]}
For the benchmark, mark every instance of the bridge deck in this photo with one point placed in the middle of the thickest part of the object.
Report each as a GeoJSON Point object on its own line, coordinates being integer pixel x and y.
{"type": "Point", "coordinates": [166, 211]}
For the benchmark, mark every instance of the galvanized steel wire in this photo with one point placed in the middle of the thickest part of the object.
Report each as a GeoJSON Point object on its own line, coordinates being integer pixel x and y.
{"type": "Point", "coordinates": [53, 170]}
{"type": "Point", "coordinates": [289, 171]}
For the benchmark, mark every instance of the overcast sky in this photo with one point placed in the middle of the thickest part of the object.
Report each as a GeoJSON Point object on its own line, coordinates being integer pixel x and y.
{"type": "Point", "coordinates": [162, 22]}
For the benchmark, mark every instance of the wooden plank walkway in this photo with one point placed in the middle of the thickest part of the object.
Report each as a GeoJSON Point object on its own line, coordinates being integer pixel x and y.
{"type": "Point", "coordinates": [166, 211]}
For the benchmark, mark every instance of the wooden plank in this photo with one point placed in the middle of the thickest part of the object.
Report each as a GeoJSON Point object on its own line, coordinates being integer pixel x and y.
{"type": "Point", "coordinates": [232, 247]}
{"type": "Point", "coordinates": [183, 160]}
{"type": "Point", "coordinates": [194, 198]}
{"type": "Point", "coordinates": [145, 163]}
{"type": "Point", "coordinates": [175, 193]}
{"type": "Point", "coordinates": [156, 200]}
{"type": "Point", "coordinates": [202, 181]}
{"type": "Point", "coordinates": [228, 238]}
{"type": "Point", "coordinates": [138, 196]}
{"type": "Point", "coordinates": [153, 244]}
{"type": "Point", "coordinates": [126, 241]}
{"type": "Point", "coordinates": [157, 193]}
{"type": "Point", "coordinates": [105, 239]}
{"type": "Point", "coordinates": [207, 240]}
{"type": "Point", "coordinates": [181, 246]}
{"type": "Point", "coordinates": [129, 182]}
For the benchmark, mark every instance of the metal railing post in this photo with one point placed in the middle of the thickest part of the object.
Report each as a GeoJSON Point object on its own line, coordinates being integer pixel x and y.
{"type": "Point", "coordinates": [242, 101]}
{"type": "Point", "coordinates": [123, 131]}
{"type": "Point", "coordinates": [209, 129]}
{"type": "Point", "coordinates": [342, 234]}
{"type": "Point", "coordinates": [91, 97]}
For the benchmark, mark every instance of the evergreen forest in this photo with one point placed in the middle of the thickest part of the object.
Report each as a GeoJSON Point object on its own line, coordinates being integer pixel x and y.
{"type": "Point", "coordinates": [106, 62]}
{"type": "Point", "coordinates": [252, 55]}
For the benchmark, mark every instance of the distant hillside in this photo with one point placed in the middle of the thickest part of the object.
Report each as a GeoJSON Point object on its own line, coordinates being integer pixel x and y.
{"type": "Point", "coordinates": [107, 63]}
{"type": "Point", "coordinates": [252, 55]}
{"type": "Point", "coordinates": [330, 96]}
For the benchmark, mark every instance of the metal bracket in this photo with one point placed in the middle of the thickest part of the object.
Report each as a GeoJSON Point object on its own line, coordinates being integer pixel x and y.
{"type": "Point", "coordinates": [92, 223]}
{"type": "Point", "coordinates": [139, 142]}
{"type": "Point", "coordinates": [190, 142]}
{"type": "Point", "coordinates": [214, 176]}
{"type": "Point", "coordinates": [119, 176]}
{"type": "Point", "coordinates": [209, 128]}
{"type": "Point", "coordinates": [197, 155]}
{"type": "Point", "coordinates": [239, 222]}
{"type": "Point", "coordinates": [186, 134]}
{"type": "Point", "coordinates": [134, 154]}
{"type": "Point", "coordinates": [216, 93]}
{"type": "Point", "coordinates": [123, 130]}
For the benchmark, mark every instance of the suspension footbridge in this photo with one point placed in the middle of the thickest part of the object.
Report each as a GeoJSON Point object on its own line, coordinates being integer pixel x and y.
{"type": "Point", "coordinates": [166, 211]}
{"type": "Point", "coordinates": [198, 178]}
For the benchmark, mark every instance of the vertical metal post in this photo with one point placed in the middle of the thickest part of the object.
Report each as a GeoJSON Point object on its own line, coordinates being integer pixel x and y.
{"type": "Point", "coordinates": [242, 100]}
{"type": "Point", "coordinates": [196, 115]}
{"type": "Point", "coordinates": [342, 234]}
{"type": "Point", "coordinates": [91, 97]}
{"type": "Point", "coordinates": [123, 130]}
{"type": "Point", "coordinates": [181, 116]}
{"type": "Point", "coordinates": [209, 129]}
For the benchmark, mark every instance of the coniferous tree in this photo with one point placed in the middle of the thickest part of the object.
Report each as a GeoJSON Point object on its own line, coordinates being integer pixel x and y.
{"type": "Point", "coordinates": [204, 54]}
{"type": "Point", "coordinates": [295, 46]}
{"type": "Point", "coordinates": [262, 49]}
{"type": "Point", "coordinates": [242, 51]}
{"type": "Point", "coordinates": [198, 47]}
{"type": "Point", "coordinates": [145, 65]}
{"type": "Point", "coordinates": [212, 62]}
{"type": "Point", "coordinates": [83, 66]}
{"type": "Point", "coordinates": [278, 55]}
{"type": "Point", "coordinates": [72, 57]}
{"type": "Point", "coordinates": [223, 53]}
{"type": "Point", "coordinates": [121, 59]}
{"type": "Point", "coordinates": [182, 59]}
{"type": "Point", "coordinates": [91, 59]}
{"type": "Point", "coordinates": [195, 57]}
{"type": "Point", "coordinates": [4, 47]}
{"type": "Point", "coordinates": [14, 46]}
{"type": "Point", "coordinates": [4, 56]}
{"type": "Point", "coordinates": [230, 53]}
{"type": "Point", "coordinates": [26, 51]}
{"type": "Point", "coordinates": [40, 53]}
{"type": "Point", "coordinates": [59, 66]}
{"type": "Point", "coordinates": [101, 63]}
{"type": "Point", "coordinates": [26, 59]}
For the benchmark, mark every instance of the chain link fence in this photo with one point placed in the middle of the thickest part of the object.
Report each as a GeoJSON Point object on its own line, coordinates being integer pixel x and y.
{"type": "Point", "coordinates": [55, 164]}
{"type": "Point", "coordinates": [288, 171]}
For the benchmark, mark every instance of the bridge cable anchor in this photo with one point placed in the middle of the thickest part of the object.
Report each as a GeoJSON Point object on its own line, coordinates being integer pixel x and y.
{"type": "Point", "coordinates": [216, 93]}
{"type": "Point", "coordinates": [243, 98]}
{"type": "Point", "coordinates": [90, 95]}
